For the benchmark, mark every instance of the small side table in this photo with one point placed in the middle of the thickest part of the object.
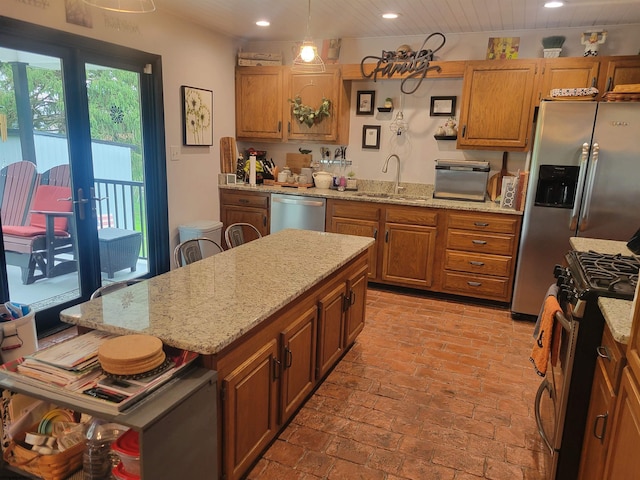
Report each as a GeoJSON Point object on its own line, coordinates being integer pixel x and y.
{"type": "Point", "coordinates": [119, 249]}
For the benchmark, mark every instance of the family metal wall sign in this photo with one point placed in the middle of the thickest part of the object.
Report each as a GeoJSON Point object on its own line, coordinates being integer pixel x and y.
{"type": "Point", "coordinates": [402, 61]}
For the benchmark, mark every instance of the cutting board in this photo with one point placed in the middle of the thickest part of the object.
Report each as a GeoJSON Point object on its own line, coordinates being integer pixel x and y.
{"type": "Point", "coordinates": [494, 186]}
{"type": "Point", "coordinates": [296, 161]}
{"type": "Point", "coordinates": [228, 155]}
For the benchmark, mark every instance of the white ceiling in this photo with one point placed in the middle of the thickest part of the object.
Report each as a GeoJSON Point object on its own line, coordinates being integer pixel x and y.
{"type": "Point", "coordinates": [362, 18]}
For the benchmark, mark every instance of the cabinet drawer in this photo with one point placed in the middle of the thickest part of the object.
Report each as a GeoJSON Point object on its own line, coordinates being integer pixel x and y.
{"type": "Point", "coordinates": [411, 216]}
{"type": "Point", "coordinates": [484, 223]}
{"type": "Point", "coordinates": [612, 355]}
{"type": "Point", "coordinates": [359, 210]}
{"type": "Point", "coordinates": [476, 286]}
{"type": "Point", "coordinates": [480, 242]}
{"type": "Point", "coordinates": [497, 265]}
{"type": "Point", "coordinates": [245, 199]}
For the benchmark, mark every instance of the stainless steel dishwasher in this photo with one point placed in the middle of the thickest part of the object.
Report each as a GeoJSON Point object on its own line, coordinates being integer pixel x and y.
{"type": "Point", "coordinates": [297, 211]}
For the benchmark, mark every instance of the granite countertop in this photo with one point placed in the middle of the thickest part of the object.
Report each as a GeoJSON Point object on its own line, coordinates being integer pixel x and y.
{"type": "Point", "coordinates": [616, 312]}
{"type": "Point", "coordinates": [205, 306]}
{"type": "Point", "coordinates": [414, 194]}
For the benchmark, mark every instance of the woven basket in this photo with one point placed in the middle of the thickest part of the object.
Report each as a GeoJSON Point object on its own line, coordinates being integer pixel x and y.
{"type": "Point", "coordinates": [49, 467]}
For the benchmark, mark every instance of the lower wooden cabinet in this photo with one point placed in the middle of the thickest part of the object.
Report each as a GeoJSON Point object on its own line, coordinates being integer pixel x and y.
{"type": "Point", "coordinates": [298, 361]}
{"type": "Point", "coordinates": [245, 207]}
{"type": "Point", "coordinates": [480, 253]}
{"type": "Point", "coordinates": [408, 254]}
{"type": "Point", "coordinates": [598, 426]}
{"type": "Point", "coordinates": [623, 460]}
{"type": "Point", "coordinates": [267, 374]}
{"type": "Point", "coordinates": [249, 400]}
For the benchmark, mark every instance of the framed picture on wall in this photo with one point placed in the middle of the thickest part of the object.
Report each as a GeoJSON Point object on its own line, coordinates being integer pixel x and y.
{"type": "Point", "coordinates": [366, 102]}
{"type": "Point", "coordinates": [197, 116]}
{"type": "Point", "coordinates": [371, 137]}
{"type": "Point", "coordinates": [442, 106]}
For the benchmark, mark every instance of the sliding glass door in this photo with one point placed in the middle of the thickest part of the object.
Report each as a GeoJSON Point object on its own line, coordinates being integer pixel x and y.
{"type": "Point", "coordinates": [82, 159]}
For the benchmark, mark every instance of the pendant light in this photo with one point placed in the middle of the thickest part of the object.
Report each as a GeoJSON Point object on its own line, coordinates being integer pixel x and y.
{"type": "Point", "coordinates": [308, 60]}
{"type": "Point", "coordinates": [124, 6]}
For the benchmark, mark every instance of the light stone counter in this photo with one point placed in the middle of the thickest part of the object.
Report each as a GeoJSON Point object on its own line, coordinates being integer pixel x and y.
{"type": "Point", "coordinates": [205, 306]}
{"type": "Point", "coordinates": [616, 312]}
{"type": "Point", "coordinates": [414, 194]}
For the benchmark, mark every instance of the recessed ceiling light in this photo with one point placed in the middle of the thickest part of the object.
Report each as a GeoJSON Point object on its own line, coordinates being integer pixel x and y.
{"type": "Point", "coordinates": [263, 23]}
{"type": "Point", "coordinates": [390, 15]}
{"type": "Point", "coordinates": [553, 4]}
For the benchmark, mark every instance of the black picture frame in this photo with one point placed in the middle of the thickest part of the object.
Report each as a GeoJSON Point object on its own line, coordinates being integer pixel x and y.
{"type": "Point", "coordinates": [366, 102]}
{"type": "Point", "coordinates": [197, 116]}
{"type": "Point", "coordinates": [443, 106]}
{"type": "Point", "coordinates": [371, 137]}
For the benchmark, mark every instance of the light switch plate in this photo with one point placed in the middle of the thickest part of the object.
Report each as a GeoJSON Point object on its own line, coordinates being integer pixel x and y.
{"type": "Point", "coordinates": [175, 152]}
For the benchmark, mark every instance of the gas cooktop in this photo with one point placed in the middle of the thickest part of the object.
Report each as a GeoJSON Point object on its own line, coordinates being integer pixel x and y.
{"type": "Point", "coordinates": [604, 274]}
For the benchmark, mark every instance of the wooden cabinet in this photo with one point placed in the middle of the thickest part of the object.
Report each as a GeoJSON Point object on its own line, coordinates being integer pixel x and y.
{"type": "Point", "coordinates": [268, 373]}
{"type": "Point", "coordinates": [622, 459]}
{"type": "Point", "coordinates": [571, 72]}
{"type": "Point", "coordinates": [497, 103]}
{"type": "Point", "coordinates": [356, 218]}
{"type": "Point", "coordinates": [409, 246]}
{"type": "Point", "coordinates": [480, 255]}
{"type": "Point", "coordinates": [312, 88]}
{"type": "Point", "coordinates": [606, 382]}
{"type": "Point", "coordinates": [242, 206]}
{"type": "Point", "coordinates": [357, 295]}
{"type": "Point", "coordinates": [619, 71]}
{"type": "Point", "coordinates": [298, 361]}
{"type": "Point", "coordinates": [249, 396]}
{"type": "Point", "coordinates": [259, 108]}
{"type": "Point", "coordinates": [264, 113]}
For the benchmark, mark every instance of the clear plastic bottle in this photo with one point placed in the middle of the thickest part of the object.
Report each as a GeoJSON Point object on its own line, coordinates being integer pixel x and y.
{"type": "Point", "coordinates": [98, 460]}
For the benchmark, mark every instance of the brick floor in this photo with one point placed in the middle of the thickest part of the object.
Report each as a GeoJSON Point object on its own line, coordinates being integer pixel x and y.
{"type": "Point", "coordinates": [432, 389]}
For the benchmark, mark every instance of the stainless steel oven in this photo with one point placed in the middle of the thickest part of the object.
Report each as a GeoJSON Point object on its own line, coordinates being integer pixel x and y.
{"type": "Point", "coordinates": [562, 400]}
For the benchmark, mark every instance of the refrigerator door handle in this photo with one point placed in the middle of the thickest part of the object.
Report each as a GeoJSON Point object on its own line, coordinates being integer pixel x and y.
{"type": "Point", "coordinates": [584, 219]}
{"type": "Point", "coordinates": [584, 156]}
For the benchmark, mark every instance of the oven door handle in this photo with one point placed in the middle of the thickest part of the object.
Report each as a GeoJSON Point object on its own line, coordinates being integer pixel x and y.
{"type": "Point", "coordinates": [566, 324]}
{"type": "Point", "coordinates": [545, 385]}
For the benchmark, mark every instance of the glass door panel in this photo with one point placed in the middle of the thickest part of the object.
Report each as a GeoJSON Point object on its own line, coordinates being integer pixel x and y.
{"type": "Point", "coordinates": [38, 223]}
{"type": "Point", "coordinates": [118, 169]}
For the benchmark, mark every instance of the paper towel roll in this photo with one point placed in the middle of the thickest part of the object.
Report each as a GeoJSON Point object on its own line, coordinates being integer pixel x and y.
{"type": "Point", "coordinates": [252, 171]}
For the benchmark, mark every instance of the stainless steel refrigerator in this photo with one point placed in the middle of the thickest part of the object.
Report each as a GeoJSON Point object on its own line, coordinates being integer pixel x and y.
{"type": "Point", "coordinates": [584, 181]}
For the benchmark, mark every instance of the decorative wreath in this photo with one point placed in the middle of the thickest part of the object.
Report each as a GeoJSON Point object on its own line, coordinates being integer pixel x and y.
{"type": "Point", "coordinates": [306, 114]}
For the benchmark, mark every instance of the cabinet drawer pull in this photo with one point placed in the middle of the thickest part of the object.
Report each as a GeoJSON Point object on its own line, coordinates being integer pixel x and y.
{"type": "Point", "coordinates": [375, 234]}
{"type": "Point", "coordinates": [352, 297]}
{"type": "Point", "coordinates": [474, 284]}
{"type": "Point", "coordinates": [279, 126]}
{"type": "Point", "coordinates": [276, 369]}
{"type": "Point", "coordinates": [603, 430]}
{"type": "Point", "coordinates": [481, 224]}
{"type": "Point", "coordinates": [479, 242]}
{"type": "Point", "coordinates": [243, 200]}
{"type": "Point", "coordinates": [603, 352]}
{"type": "Point", "coordinates": [476, 263]}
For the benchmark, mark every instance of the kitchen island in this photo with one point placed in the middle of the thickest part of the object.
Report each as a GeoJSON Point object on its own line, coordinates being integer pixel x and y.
{"type": "Point", "coordinates": [272, 317]}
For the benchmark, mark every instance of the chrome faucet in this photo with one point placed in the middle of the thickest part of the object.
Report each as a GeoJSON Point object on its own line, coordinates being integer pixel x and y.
{"type": "Point", "coordinates": [397, 186]}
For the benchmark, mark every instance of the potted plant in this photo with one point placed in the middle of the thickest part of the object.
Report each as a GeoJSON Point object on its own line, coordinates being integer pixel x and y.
{"type": "Point", "coordinates": [352, 183]}
{"type": "Point", "coordinates": [552, 46]}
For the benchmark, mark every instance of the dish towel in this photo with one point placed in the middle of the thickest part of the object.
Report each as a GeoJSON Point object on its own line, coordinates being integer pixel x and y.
{"type": "Point", "coordinates": [548, 339]}
{"type": "Point", "coordinates": [553, 290]}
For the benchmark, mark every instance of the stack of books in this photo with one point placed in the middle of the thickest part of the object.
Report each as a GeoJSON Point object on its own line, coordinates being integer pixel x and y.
{"type": "Point", "coordinates": [72, 369]}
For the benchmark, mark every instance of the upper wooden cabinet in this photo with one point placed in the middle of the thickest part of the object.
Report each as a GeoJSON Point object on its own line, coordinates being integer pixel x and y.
{"type": "Point", "coordinates": [312, 89]}
{"type": "Point", "coordinates": [259, 108]}
{"type": "Point", "coordinates": [264, 113]}
{"type": "Point", "coordinates": [619, 71]}
{"type": "Point", "coordinates": [578, 72]}
{"type": "Point", "coordinates": [497, 102]}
